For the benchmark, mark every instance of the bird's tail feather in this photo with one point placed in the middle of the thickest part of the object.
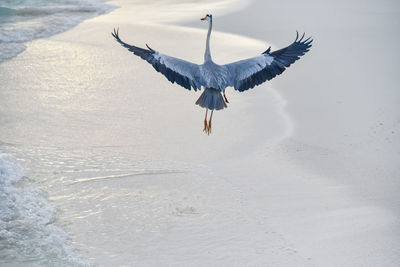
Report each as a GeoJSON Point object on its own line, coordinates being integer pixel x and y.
{"type": "Point", "coordinates": [212, 99]}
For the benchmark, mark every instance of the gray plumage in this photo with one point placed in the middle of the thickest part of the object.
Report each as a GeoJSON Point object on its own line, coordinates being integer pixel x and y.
{"type": "Point", "coordinates": [212, 99]}
{"type": "Point", "coordinates": [241, 75]}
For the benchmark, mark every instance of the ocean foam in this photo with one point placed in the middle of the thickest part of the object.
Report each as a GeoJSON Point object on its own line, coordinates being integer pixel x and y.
{"type": "Point", "coordinates": [31, 20]}
{"type": "Point", "coordinates": [28, 233]}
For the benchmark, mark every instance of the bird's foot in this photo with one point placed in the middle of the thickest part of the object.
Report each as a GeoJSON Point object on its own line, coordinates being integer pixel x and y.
{"type": "Point", "coordinates": [209, 128]}
{"type": "Point", "coordinates": [205, 126]}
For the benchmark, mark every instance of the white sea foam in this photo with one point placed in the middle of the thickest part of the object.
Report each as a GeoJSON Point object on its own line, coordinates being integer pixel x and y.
{"type": "Point", "coordinates": [28, 20]}
{"type": "Point", "coordinates": [28, 233]}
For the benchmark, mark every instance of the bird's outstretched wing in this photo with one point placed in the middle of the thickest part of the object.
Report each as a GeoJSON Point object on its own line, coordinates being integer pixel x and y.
{"type": "Point", "coordinates": [184, 73]}
{"type": "Point", "coordinates": [246, 74]}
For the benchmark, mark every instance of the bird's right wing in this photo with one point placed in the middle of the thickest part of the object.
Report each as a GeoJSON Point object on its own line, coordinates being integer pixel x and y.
{"type": "Point", "coordinates": [184, 73]}
{"type": "Point", "coordinates": [247, 73]}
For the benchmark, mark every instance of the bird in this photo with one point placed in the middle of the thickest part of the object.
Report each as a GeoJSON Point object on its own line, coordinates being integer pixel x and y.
{"type": "Point", "coordinates": [241, 75]}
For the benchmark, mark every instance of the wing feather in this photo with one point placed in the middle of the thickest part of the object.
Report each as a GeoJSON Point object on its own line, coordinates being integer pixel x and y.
{"type": "Point", "coordinates": [176, 70]}
{"type": "Point", "coordinates": [246, 74]}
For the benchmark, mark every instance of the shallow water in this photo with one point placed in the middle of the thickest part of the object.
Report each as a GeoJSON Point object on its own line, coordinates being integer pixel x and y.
{"type": "Point", "coordinates": [113, 154]}
{"type": "Point", "coordinates": [25, 20]}
{"type": "Point", "coordinates": [28, 234]}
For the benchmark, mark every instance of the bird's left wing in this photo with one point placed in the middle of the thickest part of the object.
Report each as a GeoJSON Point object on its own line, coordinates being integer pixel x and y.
{"type": "Point", "coordinates": [184, 73]}
{"type": "Point", "coordinates": [246, 74]}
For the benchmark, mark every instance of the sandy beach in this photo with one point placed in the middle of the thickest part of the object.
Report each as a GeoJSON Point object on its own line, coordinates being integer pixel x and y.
{"type": "Point", "coordinates": [300, 171]}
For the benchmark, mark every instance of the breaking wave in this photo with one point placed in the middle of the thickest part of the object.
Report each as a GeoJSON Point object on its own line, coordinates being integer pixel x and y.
{"type": "Point", "coordinates": [28, 233]}
{"type": "Point", "coordinates": [26, 20]}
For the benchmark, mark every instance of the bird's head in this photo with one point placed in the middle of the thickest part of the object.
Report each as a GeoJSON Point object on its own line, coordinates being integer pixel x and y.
{"type": "Point", "coordinates": [208, 17]}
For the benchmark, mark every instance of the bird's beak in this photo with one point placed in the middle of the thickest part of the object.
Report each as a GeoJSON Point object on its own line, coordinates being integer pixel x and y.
{"type": "Point", "coordinates": [203, 18]}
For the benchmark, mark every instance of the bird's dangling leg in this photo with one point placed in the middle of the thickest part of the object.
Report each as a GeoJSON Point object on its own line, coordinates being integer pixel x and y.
{"type": "Point", "coordinates": [226, 99]}
{"type": "Point", "coordinates": [205, 123]}
{"type": "Point", "coordinates": [209, 123]}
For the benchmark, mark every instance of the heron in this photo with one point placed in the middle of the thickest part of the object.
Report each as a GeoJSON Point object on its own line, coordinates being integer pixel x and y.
{"type": "Point", "coordinates": [241, 75]}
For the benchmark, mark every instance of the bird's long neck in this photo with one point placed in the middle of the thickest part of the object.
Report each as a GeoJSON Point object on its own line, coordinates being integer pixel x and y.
{"type": "Point", "coordinates": [207, 54]}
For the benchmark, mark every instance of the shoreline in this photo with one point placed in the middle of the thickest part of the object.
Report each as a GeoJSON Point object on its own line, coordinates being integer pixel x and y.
{"type": "Point", "coordinates": [14, 39]}
{"type": "Point", "coordinates": [235, 193]}
{"type": "Point", "coordinates": [61, 54]}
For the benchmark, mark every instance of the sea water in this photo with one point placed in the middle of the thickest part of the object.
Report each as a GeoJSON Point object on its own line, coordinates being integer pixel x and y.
{"type": "Point", "coordinates": [22, 21]}
{"type": "Point", "coordinates": [109, 160]}
{"type": "Point", "coordinates": [28, 235]}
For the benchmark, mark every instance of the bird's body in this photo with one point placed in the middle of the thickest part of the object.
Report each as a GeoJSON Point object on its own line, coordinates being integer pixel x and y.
{"type": "Point", "coordinates": [241, 75]}
{"type": "Point", "coordinates": [214, 75]}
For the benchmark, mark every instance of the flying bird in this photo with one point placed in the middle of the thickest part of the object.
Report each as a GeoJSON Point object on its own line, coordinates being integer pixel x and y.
{"type": "Point", "coordinates": [241, 75]}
